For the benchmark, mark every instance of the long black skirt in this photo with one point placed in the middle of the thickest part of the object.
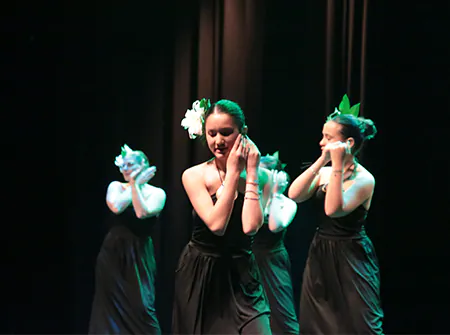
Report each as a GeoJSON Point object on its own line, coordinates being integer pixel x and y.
{"type": "Point", "coordinates": [341, 288]}
{"type": "Point", "coordinates": [216, 294]}
{"type": "Point", "coordinates": [275, 268]}
{"type": "Point", "coordinates": [125, 286]}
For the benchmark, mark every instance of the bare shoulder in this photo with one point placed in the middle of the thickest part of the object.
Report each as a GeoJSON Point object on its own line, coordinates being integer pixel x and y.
{"type": "Point", "coordinates": [116, 187]}
{"type": "Point", "coordinates": [193, 173]}
{"type": "Point", "coordinates": [364, 176]}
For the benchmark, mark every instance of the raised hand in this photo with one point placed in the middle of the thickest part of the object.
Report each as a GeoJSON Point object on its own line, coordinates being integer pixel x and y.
{"type": "Point", "coordinates": [237, 157]}
{"type": "Point", "coordinates": [145, 175]}
{"type": "Point", "coordinates": [337, 151]}
{"type": "Point", "coordinates": [253, 155]}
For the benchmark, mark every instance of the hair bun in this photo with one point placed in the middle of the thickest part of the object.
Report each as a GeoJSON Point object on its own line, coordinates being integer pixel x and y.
{"type": "Point", "coordinates": [368, 128]}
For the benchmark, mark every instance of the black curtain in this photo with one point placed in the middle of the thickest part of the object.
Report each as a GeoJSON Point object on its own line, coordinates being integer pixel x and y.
{"type": "Point", "coordinates": [85, 78]}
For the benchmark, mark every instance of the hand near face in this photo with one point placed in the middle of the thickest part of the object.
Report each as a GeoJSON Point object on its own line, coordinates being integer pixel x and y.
{"type": "Point", "coordinates": [146, 175]}
{"type": "Point", "coordinates": [253, 155]}
{"type": "Point", "coordinates": [237, 157]}
{"type": "Point", "coordinates": [337, 151]}
{"type": "Point", "coordinates": [142, 175]}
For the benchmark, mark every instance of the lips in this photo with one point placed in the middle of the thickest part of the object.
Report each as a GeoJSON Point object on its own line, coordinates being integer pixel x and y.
{"type": "Point", "coordinates": [221, 150]}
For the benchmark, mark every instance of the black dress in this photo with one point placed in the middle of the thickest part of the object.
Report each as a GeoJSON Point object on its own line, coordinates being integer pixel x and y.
{"type": "Point", "coordinates": [341, 281]}
{"type": "Point", "coordinates": [218, 288]}
{"type": "Point", "coordinates": [275, 267]}
{"type": "Point", "coordinates": [124, 301]}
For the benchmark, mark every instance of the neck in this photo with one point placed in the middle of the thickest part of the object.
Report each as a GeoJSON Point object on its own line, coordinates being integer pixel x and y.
{"type": "Point", "coordinates": [221, 164]}
{"type": "Point", "coordinates": [348, 162]}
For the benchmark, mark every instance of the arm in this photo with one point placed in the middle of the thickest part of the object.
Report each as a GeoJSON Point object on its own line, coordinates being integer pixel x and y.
{"type": "Point", "coordinates": [215, 216]}
{"type": "Point", "coordinates": [252, 211]}
{"type": "Point", "coordinates": [339, 203]}
{"type": "Point", "coordinates": [303, 187]}
{"type": "Point", "coordinates": [149, 205]}
{"type": "Point", "coordinates": [117, 198]}
{"type": "Point", "coordinates": [282, 212]}
{"type": "Point", "coordinates": [257, 189]}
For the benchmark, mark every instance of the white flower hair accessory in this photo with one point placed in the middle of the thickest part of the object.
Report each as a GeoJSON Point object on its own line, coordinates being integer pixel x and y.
{"type": "Point", "coordinates": [195, 117]}
{"type": "Point", "coordinates": [125, 150]}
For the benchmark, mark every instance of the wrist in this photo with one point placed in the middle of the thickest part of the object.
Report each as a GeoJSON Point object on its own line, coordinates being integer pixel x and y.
{"type": "Point", "coordinates": [337, 168]}
{"type": "Point", "coordinates": [252, 174]}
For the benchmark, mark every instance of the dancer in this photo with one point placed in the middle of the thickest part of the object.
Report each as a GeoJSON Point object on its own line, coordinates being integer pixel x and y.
{"type": "Point", "coordinates": [341, 281]}
{"type": "Point", "coordinates": [124, 301]}
{"type": "Point", "coordinates": [271, 254]}
{"type": "Point", "coordinates": [218, 288]}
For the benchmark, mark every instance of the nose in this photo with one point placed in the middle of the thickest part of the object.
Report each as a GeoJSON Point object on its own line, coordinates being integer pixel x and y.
{"type": "Point", "coordinates": [219, 140]}
{"type": "Point", "coordinates": [322, 142]}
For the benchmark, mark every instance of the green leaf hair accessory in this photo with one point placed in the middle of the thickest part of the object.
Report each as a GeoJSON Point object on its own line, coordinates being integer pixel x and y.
{"type": "Point", "coordinates": [276, 156]}
{"type": "Point", "coordinates": [124, 151]}
{"type": "Point", "coordinates": [195, 117]}
{"type": "Point", "coordinates": [345, 108]}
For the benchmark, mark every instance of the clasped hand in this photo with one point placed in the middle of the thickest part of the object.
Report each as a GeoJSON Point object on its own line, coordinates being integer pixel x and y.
{"type": "Point", "coordinates": [142, 175]}
{"type": "Point", "coordinates": [336, 151]}
{"type": "Point", "coordinates": [244, 154]}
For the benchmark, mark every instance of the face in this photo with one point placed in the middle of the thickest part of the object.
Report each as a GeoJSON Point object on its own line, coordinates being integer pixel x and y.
{"type": "Point", "coordinates": [130, 164]}
{"type": "Point", "coordinates": [221, 133]}
{"type": "Point", "coordinates": [331, 133]}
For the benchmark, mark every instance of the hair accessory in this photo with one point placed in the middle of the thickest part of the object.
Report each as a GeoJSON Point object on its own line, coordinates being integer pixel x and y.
{"type": "Point", "coordinates": [125, 150]}
{"type": "Point", "coordinates": [195, 117]}
{"type": "Point", "coordinates": [345, 108]}
{"type": "Point", "coordinates": [276, 156]}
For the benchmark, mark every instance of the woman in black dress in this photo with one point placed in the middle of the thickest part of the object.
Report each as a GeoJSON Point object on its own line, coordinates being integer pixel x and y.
{"type": "Point", "coordinates": [218, 288]}
{"type": "Point", "coordinates": [271, 254]}
{"type": "Point", "coordinates": [341, 281]}
{"type": "Point", "coordinates": [124, 301]}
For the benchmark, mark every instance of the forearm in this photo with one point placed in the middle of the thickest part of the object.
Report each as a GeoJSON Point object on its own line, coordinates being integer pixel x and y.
{"type": "Point", "coordinates": [252, 211]}
{"type": "Point", "coordinates": [303, 186]}
{"type": "Point", "coordinates": [141, 205]}
{"type": "Point", "coordinates": [334, 198]}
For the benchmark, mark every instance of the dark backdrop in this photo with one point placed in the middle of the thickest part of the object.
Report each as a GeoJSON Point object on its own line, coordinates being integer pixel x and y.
{"type": "Point", "coordinates": [83, 78]}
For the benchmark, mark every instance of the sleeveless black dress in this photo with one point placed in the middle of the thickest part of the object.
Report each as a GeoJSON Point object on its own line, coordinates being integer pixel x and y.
{"type": "Point", "coordinates": [275, 267]}
{"type": "Point", "coordinates": [218, 287]}
{"type": "Point", "coordinates": [124, 301]}
{"type": "Point", "coordinates": [341, 281]}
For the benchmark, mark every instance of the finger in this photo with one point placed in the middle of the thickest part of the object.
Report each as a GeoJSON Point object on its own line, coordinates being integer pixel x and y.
{"type": "Point", "coordinates": [240, 147]}
{"type": "Point", "coordinates": [237, 143]}
{"type": "Point", "coordinates": [244, 143]}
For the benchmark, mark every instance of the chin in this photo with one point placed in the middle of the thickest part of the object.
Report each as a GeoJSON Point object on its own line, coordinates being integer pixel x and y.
{"type": "Point", "coordinates": [220, 155]}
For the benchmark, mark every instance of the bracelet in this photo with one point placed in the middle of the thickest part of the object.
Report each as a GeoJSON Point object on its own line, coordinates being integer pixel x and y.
{"type": "Point", "coordinates": [253, 183]}
{"type": "Point", "coordinates": [250, 198]}
{"type": "Point", "coordinates": [337, 171]}
{"type": "Point", "coordinates": [256, 192]}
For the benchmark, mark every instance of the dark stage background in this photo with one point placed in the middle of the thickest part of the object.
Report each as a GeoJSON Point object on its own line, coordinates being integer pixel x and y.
{"type": "Point", "coordinates": [83, 78]}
